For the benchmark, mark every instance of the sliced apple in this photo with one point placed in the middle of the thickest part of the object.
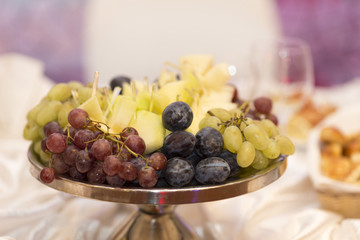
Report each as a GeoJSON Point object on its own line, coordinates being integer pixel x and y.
{"type": "Point", "coordinates": [123, 111]}
{"type": "Point", "coordinates": [150, 128]}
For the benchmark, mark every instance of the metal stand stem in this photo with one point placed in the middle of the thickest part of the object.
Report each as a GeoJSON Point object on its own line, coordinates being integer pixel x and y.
{"type": "Point", "coordinates": [155, 222]}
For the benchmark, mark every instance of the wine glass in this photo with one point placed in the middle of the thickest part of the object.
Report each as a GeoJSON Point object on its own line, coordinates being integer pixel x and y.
{"type": "Point", "coordinates": [284, 72]}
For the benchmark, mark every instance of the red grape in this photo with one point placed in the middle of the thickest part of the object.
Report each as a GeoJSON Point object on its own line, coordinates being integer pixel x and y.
{"type": "Point", "coordinates": [74, 173]}
{"type": "Point", "coordinates": [100, 149]}
{"type": "Point", "coordinates": [78, 118]}
{"type": "Point", "coordinates": [96, 174]}
{"type": "Point", "coordinates": [157, 160]}
{"type": "Point", "coordinates": [83, 137]}
{"type": "Point", "coordinates": [70, 155]}
{"type": "Point", "coordinates": [253, 114]}
{"type": "Point", "coordinates": [47, 175]}
{"type": "Point", "coordinates": [111, 165]}
{"type": "Point", "coordinates": [273, 118]}
{"type": "Point", "coordinates": [115, 181]}
{"type": "Point", "coordinates": [57, 162]}
{"type": "Point", "coordinates": [147, 177]}
{"type": "Point", "coordinates": [52, 127]}
{"type": "Point", "coordinates": [128, 171]}
{"type": "Point", "coordinates": [126, 132]}
{"type": "Point", "coordinates": [70, 131]}
{"type": "Point", "coordinates": [124, 155]}
{"type": "Point", "coordinates": [136, 144]}
{"type": "Point", "coordinates": [263, 105]}
{"type": "Point", "coordinates": [43, 145]}
{"type": "Point", "coordinates": [139, 162]}
{"type": "Point", "coordinates": [115, 147]}
{"type": "Point", "coordinates": [56, 143]}
{"type": "Point", "coordinates": [83, 161]}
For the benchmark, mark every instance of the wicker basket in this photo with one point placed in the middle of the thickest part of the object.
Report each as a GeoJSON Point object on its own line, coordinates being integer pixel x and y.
{"type": "Point", "coordinates": [346, 204]}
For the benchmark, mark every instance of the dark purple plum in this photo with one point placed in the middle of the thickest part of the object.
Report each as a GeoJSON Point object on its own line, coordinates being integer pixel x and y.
{"type": "Point", "coordinates": [178, 144]}
{"type": "Point", "coordinates": [178, 172]}
{"type": "Point", "coordinates": [212, 170]}
{"type": "Point", "coordinates": [209, 142]}
{"type": "Point", "coordinates": [177, 116]}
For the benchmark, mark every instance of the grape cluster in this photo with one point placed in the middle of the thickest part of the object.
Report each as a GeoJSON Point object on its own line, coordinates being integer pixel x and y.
{"type": "Point", "coordinates": [261, 109]}
{"type": "Point", "coordinates": [86, 152]}
{"type": "Point", "coordinates": [255, 141]}
{"type": "Point", "coordinates": [55, 107]}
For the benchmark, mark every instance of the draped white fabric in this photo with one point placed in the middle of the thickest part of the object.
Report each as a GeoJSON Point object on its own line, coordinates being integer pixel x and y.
{"type": "Point", "coordinates": [286, 209]}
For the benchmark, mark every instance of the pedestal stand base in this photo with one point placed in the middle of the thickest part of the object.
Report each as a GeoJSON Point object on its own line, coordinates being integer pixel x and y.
{"type": "Point", "coordinates": [155, 222]}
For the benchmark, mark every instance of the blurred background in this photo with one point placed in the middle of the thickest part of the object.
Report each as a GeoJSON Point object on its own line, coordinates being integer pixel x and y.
{"type": "Point", "coordinates": [73, 38]}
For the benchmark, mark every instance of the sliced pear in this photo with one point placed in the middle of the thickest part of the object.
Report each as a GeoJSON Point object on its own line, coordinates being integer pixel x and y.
{"type": "Point", "coordinates": [199, 63]}
{"type": "Point", "coordinates": [123, 111]}
{"type": "Point", "coordinates": [150, 128]}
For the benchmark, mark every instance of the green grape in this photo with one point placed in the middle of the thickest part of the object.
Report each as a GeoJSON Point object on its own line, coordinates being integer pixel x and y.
{"type": "Point", "coordinates": [37, 147]}
{"type": "Point", "coordinates": [45, 156]}
{"type": "Point", "coordinates": [232, 138]}
{"type": "Point", "coordinates": [270, 128]}
{"type": "Point", "coordinates": [236, 112]}
{"type": "Point", "coordinates": [48, 113]}
{"type": "Point", "coordinates": [286, 145]}
{"type": "Point", "coordinates": [260, 162]}
{"type": "Point", "coordinates": [41, 132]}
{"type": "Point", "coordinates": [211, 121]}
{"type": "Point", "coordinates": [245, 123]}
{"type": "Point", "coordinates": [257, 136]}
{"type": "Point", "coordinates": [221, 113]}
{"type": "Point", "coordinates": [84, 94]}
{"type": "Point", "coordinates": [64, 112]}
{"type": "Point", "coordinates": [273, 150]}
{"type": "Point", "coordinates": [60, 92]}
{"type": "Point", "coordinates": [31, 130]}
{"type": "Point", "coordinates": [75, 85]}
{"type": "Point", "coordinates": [32, 114]}
{"type": "Point", "coordinates": [246, 154]}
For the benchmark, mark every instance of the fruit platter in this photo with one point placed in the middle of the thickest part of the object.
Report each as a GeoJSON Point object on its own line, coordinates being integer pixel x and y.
{"type": "Point", "coordinates": [185, 138]}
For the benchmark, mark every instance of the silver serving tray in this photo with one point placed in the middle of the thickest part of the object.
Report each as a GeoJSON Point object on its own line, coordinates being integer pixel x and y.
{"type": "Point", "coordinates": [235, 186]}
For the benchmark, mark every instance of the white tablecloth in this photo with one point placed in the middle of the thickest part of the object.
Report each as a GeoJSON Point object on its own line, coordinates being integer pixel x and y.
{"type": "Point", "coordinates": [286, 209]}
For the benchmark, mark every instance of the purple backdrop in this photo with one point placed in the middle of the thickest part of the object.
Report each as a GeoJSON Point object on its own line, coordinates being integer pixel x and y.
{"type": "Point", "coordinates": [332, 29]}
{"type": "Point", "coordinates": [46, 30]}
